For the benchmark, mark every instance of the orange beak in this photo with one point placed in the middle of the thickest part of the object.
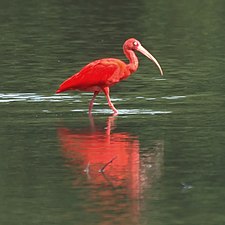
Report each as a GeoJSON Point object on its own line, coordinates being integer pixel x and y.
{"type": "Point", "coordinates": [150, 56]}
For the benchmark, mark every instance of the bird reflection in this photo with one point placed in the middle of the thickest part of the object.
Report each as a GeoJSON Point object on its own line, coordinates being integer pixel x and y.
{"type": "Point", "coordinates": [111, 162]}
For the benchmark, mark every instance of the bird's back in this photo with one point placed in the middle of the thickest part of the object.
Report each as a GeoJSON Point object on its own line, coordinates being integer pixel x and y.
{"type": "Point", "coordinates": [97, 74]}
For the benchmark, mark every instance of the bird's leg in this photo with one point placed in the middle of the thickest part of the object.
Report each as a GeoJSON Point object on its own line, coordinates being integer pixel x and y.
{"type": "Point", "coordinates": [106, 91]}
{"type": "Point", "coordinates": [92, 102]}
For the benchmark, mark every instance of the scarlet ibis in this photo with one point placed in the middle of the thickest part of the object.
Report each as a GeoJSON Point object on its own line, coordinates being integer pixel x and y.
{"type": "Point", "coordinates": [99, 75]}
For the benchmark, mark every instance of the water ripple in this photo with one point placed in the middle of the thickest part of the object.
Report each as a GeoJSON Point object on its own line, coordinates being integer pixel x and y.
{"type": "Point", "coordinates": [174, 97]}
{"type": "Point", "coordinates": [131, 111]}
{"type": "Point", "coordinates": [33, 97]}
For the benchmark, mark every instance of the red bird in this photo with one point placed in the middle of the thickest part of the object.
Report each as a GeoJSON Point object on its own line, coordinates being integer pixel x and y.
{"type": "Point", "coordinates": [100, 75]}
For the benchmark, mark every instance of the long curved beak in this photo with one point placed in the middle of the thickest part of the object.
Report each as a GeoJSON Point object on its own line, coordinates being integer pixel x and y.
{"type": "Point", "coordinates": [150, 56]}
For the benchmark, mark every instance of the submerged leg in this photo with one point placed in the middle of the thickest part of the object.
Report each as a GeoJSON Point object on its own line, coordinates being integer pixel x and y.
{"type": "Point", "coordinates": [92, 102]}
{"type": "Point", "coordinates": [106, 91]}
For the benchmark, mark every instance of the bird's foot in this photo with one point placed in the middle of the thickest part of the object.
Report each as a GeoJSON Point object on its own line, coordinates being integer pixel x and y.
{"type": "Point", "coordinates": [115, 113]}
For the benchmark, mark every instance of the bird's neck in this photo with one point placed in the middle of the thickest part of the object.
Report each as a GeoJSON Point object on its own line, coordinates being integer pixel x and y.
{"type": "Point", "coordinates": [133, 60]}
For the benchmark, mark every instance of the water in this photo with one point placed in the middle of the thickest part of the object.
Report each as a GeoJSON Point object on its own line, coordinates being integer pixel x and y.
{"type": "Point", "coordinates": [163, 156]}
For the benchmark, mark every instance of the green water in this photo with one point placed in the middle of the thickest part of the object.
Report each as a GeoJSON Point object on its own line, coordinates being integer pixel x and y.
{"type": "Point", "coordinates": [166, 145]}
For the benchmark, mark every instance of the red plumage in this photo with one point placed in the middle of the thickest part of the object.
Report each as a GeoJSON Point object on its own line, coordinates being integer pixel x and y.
{"type": "Point", "coordinates": [96, 75]}
{"type": "Point", "coordinates": [101, 74]}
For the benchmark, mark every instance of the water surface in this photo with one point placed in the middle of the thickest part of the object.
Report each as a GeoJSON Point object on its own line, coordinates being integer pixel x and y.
{"type": "Point", "coordinates": [163, 156]}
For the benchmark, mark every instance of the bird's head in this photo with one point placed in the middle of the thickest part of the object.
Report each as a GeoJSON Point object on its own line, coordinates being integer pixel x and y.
{"type": "Point", "coordinates": [135, 45]}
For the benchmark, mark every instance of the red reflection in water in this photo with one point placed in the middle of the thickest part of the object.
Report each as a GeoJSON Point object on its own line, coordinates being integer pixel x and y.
{"type": "Point", "coordinates": [120, 184]}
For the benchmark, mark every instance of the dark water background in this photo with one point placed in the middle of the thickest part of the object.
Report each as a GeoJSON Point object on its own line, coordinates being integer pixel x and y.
{"type": "Point", "coordinates": [167, 144]}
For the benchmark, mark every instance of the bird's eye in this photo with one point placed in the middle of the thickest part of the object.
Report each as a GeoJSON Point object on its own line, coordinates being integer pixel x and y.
{"type": "Point", "coordinates": [135, 43]}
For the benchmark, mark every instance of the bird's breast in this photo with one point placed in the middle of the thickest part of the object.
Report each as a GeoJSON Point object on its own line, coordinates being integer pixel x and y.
{"type": "Point", "coordinates": [119, 74]}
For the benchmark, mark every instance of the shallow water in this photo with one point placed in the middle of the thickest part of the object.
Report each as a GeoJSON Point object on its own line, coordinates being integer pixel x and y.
{"type": "Point", "coordinates": [162, 156]}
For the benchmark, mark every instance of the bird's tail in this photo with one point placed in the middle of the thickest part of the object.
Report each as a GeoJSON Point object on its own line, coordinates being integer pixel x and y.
{"type": "Point", "coordinates": [58, 91]}
{"type": "Point", "coordinates": [63, 87]}
{"type": "Point", "coordinates": [68, 84]}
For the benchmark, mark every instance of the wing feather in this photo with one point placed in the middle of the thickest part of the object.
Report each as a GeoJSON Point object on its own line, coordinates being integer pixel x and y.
{"type": "Point", "coordinates": [100, 73]}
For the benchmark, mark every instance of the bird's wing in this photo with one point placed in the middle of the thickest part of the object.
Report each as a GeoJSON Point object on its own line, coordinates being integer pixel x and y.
{"type": "Point", "coordinates": [103, 72]}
